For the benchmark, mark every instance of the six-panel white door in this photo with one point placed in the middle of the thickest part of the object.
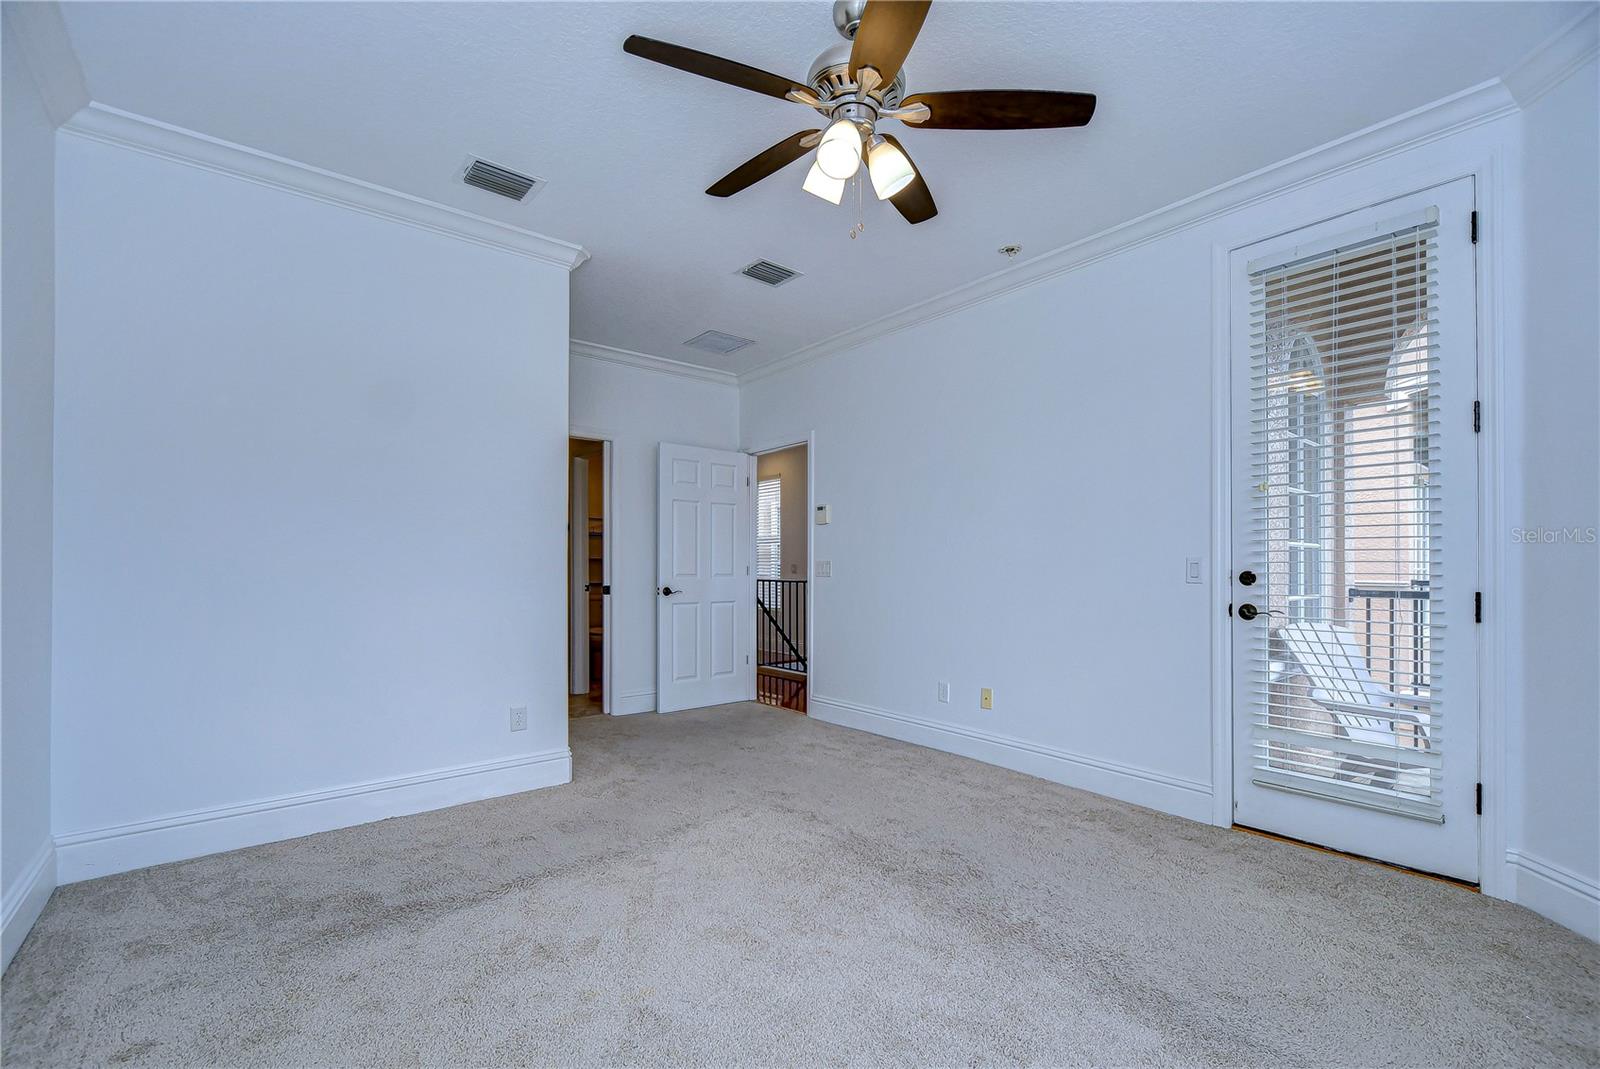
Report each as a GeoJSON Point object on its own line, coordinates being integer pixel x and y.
{"type": "Point", "coordinates": [704, 598]}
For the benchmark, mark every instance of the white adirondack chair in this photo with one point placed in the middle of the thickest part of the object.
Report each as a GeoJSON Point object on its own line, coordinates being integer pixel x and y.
{"type": "Point", "coordinates": [1331, 659]}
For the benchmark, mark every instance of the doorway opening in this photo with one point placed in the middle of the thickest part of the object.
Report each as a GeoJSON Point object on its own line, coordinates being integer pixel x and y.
{"type": "Point", "coordinates": [783, 574]}
{"type": "Point", "coordinates": [588, 590]}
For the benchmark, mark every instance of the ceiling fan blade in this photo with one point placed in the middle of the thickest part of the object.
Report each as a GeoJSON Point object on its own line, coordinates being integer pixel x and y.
{"type": "Point", "coordinates": [914, 202]}
{"type": "Point", "coordinates": [767, 163]}
{"type": "Point", "coordinates": [888, 30]}
{"type": "Point", "coordinates": [714, 67]}
{"type": "Point", "coordinates": [1002, 109]}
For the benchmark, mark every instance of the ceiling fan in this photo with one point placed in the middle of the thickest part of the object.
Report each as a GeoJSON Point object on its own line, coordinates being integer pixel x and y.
{"type": "Point", "coordinates": [857, 85]}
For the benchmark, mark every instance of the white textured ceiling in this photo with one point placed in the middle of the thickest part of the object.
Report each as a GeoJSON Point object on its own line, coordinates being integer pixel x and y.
{"type": "Point", "coordinates": [1191, 95]}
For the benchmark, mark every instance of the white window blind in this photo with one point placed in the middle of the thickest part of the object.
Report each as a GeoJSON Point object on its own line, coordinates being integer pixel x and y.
{"type": "Point", "coordinates": [769, 528]}
{"type": "Point", "coordinates": [1346, 691]}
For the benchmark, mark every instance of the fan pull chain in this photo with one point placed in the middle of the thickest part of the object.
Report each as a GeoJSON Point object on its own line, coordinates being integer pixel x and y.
{"type": "Point", "coordinates": [861, 222]}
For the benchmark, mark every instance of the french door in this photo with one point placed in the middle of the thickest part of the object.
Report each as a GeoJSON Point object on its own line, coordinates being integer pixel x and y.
{"type": "Point", "coordinates": [1355, 533]}
{"type": "Point", "coordinates": [705, 592]}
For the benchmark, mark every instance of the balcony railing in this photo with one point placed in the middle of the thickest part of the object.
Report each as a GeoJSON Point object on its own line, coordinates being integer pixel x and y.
{"type": "Point", "coordinates": [1393, 625]}
{"type": "Point", "coordinates": [781, 643]}
{"type": "Point", "coordinates": [781, 623]}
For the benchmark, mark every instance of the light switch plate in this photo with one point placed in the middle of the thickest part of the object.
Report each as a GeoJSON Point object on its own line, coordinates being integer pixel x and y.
{"type": "Point", "coordinates": [824, 514]}
{"type": "Point", "coordinates": [824, 569]}
{"type": "Point", "coordinates": [944, 692]}
{"type": "Point", "coordinates": [1191, 570]}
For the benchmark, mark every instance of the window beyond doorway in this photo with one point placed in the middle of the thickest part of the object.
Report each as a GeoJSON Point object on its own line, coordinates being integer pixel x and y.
{"type": "Point", "coordinates": [769, 528]}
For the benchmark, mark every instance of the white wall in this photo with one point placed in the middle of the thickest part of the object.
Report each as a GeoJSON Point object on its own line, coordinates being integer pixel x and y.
{"type": "Point", "coordinates": [789, 465]}
{"type": "Point", "coordinates": [27, 334]}
{"type": "Point", "coordinates": [638, 409]}
{"type": "Point", "coordinates": [1558, 603]}
{"type": "Point", "coordinates": [994, 526]}
{"type": "Point", "coordinates": [310, 514]}
{"type": "Point", "coordinates": [1051, 451]}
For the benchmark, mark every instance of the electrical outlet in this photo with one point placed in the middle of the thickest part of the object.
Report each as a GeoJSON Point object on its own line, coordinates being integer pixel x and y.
{"type": "Point", "coordinates": [986, 698]}
{"type": "Point", "coordinates": [519, 718]}
{"type": "Point", "coordinates": [944, 692]}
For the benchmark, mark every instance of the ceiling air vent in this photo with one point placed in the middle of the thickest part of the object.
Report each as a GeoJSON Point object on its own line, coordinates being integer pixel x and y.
{"type": "Point", "coordinates": [714, 341]}
{"type": "Point", "coordinates": [767, 272]}
{"type": "Point", "coordinates": [497, 179]}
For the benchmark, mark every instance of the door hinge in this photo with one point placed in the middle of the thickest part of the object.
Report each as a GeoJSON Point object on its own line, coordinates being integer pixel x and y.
{"type": "Point", "coordinates": [1230, 608]}
{"type": "Point", "coordinates": [1477, 417]}
{"type": "Point", "coordinates": [1474, 228]}
{"type": "Point", "coordinates": [1477, 607]}
{"type": "Point", "coordinates": [1480, 799]}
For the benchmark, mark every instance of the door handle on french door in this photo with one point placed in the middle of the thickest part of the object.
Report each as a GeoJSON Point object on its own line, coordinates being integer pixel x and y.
{"type": "Point", "coordinates": [1248, 611]}
{"type": "Point", "coordinates": [667, 592]}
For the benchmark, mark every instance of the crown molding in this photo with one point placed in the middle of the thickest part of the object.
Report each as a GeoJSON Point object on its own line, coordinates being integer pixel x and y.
{"type": "Point", "coordinates": [47, 51]}
{"type": "Point", "coordinates": [1471, 107]}
{"type": "Point", "coordinates": [112, 126]}
{"type": "Point", "coordinates": [1556, 59]}
{"type": "Point", "coordinates": [646, 362]}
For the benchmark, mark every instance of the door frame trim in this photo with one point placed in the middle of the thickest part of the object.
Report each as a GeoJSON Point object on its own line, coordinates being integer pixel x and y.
{"type": "Point", "coordinates": [608, 453]}
{"type": "Point", "coordinates": [1497, 265]}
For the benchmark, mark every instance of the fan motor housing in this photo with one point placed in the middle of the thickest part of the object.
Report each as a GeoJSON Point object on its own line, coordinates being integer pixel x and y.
{"type": "Point", "coordinates": [830, 77]}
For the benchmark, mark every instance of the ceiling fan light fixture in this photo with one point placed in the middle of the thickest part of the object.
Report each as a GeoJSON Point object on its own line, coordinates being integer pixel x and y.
{"type": "Point", "coordinates": [839, 154]}
{"type": "Point", "coordinates": [857, 84]}
{"type": "Point", "coordinates": [818, 184]}
{"type": "Point", "coordinates": [891, 171]}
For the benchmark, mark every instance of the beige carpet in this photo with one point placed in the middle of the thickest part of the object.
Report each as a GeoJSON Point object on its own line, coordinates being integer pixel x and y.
{"type": "Point", "coordinates": [744, 886]}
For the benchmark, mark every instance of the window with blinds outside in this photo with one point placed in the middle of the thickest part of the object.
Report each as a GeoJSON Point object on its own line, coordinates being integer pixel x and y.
{"type": "Point", "coordinates": [1344, 522]}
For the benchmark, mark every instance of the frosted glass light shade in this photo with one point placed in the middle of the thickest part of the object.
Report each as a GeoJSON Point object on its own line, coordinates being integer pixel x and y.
{"type": "Point", "coordinates": [819, 184]}
{"type": "Point", "coordinates": [890, 170]}
{"type": "Point", "coordinates": [839, 154]}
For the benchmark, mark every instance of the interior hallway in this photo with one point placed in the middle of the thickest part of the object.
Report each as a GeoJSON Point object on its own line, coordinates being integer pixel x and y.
{"type": "Point", "coordinates": [741, 885]}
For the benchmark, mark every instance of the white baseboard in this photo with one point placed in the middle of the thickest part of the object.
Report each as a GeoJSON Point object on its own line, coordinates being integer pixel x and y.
{"type": "Point", "coordinates": [1567, 898]}
{"type": "Point", "coordinates": [635, 701]}
{"type": "Point", "coordinates": [24, 900]}
{"type": "Point", "coordinates": [85, 855]}
{"type": "Point", "coordinates": [1141, 786]}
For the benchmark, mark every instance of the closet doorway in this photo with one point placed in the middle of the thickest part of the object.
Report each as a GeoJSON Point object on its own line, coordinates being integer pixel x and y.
{"type": "Point", "coordinates": [589, 578]}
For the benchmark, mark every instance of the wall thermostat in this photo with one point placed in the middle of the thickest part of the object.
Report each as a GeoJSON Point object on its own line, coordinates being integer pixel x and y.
{"type": "Point", "coordinates": [822, 515]}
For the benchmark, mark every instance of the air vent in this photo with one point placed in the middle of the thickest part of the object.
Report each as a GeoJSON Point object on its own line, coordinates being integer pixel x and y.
{"type": "Point", "coordinates": [769, 273]}
{"type": "Point", "coordinates": [497, 179]}
{"type": "Point", "coordinates": [714, 341]}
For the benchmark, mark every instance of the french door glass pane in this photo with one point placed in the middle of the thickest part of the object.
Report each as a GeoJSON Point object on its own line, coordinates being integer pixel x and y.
{"type": "Point", "coordinates": [1344, 393]}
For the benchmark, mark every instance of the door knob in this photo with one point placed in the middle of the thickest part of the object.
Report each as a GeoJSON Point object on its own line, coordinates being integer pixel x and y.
{"type": "Point", "coordinates": [667, 591]}
{"type": "Point", "coordinates": [1247, 578]}
{"type": "Point", "coordinates": [1248, 611]}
